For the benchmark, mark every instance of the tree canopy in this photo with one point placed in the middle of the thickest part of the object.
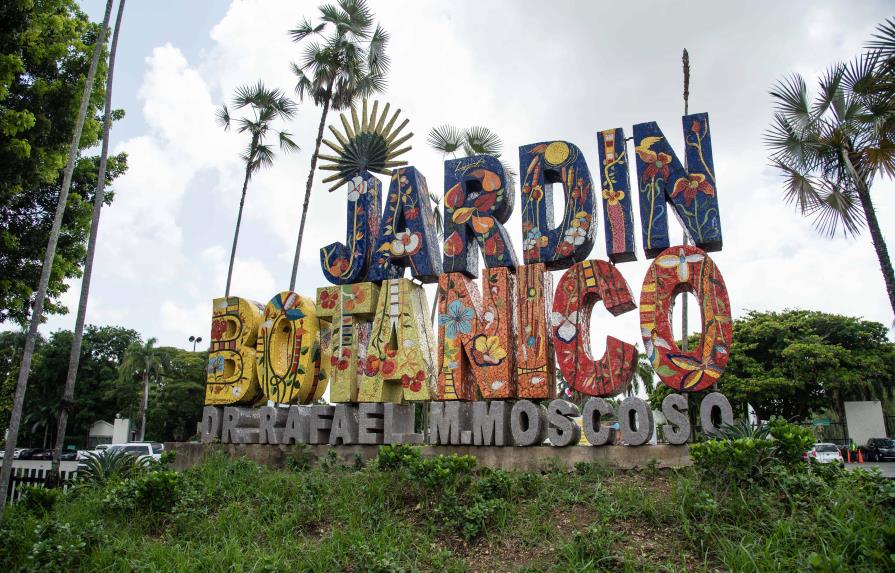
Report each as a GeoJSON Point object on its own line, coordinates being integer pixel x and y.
{"type": "Point", "coordinates": [794, 362]}
{"type": "Point", "coordinates": [45, 52]}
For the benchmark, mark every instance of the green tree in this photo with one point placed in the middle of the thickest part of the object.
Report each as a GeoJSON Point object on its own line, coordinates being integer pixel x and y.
{"type": "Point", "coordinates": [178, 397]}
{"type": "Point", "coordinates": [796, 362]}
{"type": "Point", "coordinates": [831, 148]}
{"type": "Point", "coordinates": [45, 56]}
{"type": "Point", "coordinates": [146, 363]}
{"type": "Point", "coordinates": [67, 403]}
{"type": "Point", "coordinates": [348, 63]}
{"type": "Point", "coordinates": [644, 377]}
{"type": "Point", "coordinates": [264, 106]}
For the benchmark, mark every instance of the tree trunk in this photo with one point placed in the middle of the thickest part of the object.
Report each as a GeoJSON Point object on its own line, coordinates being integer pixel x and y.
{"type": "Point", "coordinates": [15, 418]}
{"type": "Point", "coordinates": [304, 209]}
{"type": "Point", "coordinates": [144, 406]}
{"type": "Point", "coordinates": [876, 235]}
{"type": "Point", "coordinates": [242, 200]}
{"type": "Point", "coordinates": [68, 396]}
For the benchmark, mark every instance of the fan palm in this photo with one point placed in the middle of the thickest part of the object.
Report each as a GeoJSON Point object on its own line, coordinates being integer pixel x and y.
{"type": "Point", "coordinates": [107, 466]}
{"type": "Point", "coordinates": [348, 63]}
{"type": "Point", "coordinates": [146, 362]}
{"type": "Point", "coordinates": [449, 140]}
{"type": "Point", "coordinates": [264, 106]}
{"type": "Point", "coordinates": [830, 149]}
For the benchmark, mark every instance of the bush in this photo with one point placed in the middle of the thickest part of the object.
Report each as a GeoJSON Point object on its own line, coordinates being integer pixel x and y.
{"type": "Point", "coordinates": [111, 466]}
{"type": "Point", "coordinates": [40, 499]}
{"type": "Point", "coordinates": [733, 462]}
{"type": "Point", "coordinates": [153, 492]}
{"type": "Point", "coordinates": [62, 547]}
{"type": "Point", "coordinates": [300, 459]}
{"type": "Point", "coordinates": [791, 441]}
{"type": "Point", "coordinates": [396, 457]}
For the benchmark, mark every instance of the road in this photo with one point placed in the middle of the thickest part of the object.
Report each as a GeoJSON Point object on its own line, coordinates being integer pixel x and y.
{"type": "Point", "coordinates": [887, 468]}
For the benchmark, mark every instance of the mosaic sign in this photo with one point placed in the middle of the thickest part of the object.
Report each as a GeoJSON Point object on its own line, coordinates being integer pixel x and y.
{"type": "Point", "coordinates": [488, 366]}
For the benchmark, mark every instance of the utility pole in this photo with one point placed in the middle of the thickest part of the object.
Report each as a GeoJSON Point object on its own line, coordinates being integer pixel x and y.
{"type": "Point", "coordinates": [686, 61]}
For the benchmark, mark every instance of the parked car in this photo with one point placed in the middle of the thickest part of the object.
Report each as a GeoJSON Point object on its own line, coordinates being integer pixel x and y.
{"type": "Point", "coordinates": [824, 453]}
{"type": "Point", "coordinates": [36, 454]}
{"type": "Point", "coordinates": [143, 450]}
{"type": "Point", "coordinates": [879, 450]}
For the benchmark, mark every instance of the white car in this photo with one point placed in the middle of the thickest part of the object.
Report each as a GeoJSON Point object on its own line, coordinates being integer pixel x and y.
{"type": "Point", "coordinates": [824, 454]}
{"type": "Point", "coordinates": [142, 450]}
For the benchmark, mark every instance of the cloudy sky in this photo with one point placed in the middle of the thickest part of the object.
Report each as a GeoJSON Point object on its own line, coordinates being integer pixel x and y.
{"type": "Point", "coordinates": [531, 71]}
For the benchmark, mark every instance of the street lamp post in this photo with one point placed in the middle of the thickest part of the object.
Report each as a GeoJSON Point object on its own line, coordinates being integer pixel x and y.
{"type": "Point", "coordinates": [195, 340]}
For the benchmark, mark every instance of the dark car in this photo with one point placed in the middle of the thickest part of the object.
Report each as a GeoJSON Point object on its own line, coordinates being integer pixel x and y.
{"type": "Point", "coordinates": [879, 450]}
{"type": "Point", "coordinates": [36, 454]}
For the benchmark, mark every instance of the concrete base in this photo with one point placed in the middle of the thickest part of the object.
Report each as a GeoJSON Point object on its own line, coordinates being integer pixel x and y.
{"type": "Point", "coordinates": [534, 458]}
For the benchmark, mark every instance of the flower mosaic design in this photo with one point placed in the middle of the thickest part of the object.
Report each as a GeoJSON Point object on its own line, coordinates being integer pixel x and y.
{"type": "Point", "coordinates": [457, 320]}
{"type": "Point", "coordinates": [487, 350]}
{"type": "Point", "coordinates": [657, 163]}
{"type": "Point", "coordinates": [681, 260]}
{"type": "Point", "coordinates": [566, 325]}
{"type": "Point", "coordinates": [328, 299]}
{"type": "Point", "coordinates": [691, 186]}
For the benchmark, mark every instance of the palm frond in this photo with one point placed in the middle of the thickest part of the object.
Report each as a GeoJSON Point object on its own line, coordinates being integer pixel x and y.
{"type": "Point", "coordinates": [839, 209]}
{"type": "Point", "coordinates": [791, 96]}
{"type": "Point", "coordinates": [446, 139]}
{"type": "Point", "coordinates": [222, 117]}
{"type": "Point", "coordinates": [800, 188]}
{"type": "Point", "coordinates": [286, 142]}
{"type": "Point", "coordinates": [479, 140]}
{"type": "Point", "coordinates": [884, 40]}
{"type": "Point", "coordinates": [304, 29]}
{"type": "Point", "coordinates": [263, 157]}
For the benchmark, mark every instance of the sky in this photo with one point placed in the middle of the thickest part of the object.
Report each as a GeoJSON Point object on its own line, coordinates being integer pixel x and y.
{"type": "Point", "coordinates": [530, 71]}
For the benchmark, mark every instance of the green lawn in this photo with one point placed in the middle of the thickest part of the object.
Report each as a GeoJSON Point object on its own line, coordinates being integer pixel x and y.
{"type": "Point", "coordinates": [400, 513]}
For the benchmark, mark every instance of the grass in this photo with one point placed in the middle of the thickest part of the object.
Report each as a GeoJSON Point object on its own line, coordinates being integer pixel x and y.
{"type": "Point", "coordinates": [412, 515]}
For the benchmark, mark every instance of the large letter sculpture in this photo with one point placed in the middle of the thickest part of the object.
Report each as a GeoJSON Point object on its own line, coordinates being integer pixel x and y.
{"type": "Point", "coordinates": [579, 289]}
{"type": "Point", "coordinates": [535, 358]}
{"type": "Point", "coordinates": [477, 333]}
{"type": "Point", "coordinates": [663, 180]}
{"type": "Point", "coordinates": [406, 231]}
{"type": "Point", "coordinates": [572, 240]}
{"type": "Point", "coordinates": [346, 318]}
{"type": "Point", "coordinates": [477, 203]}
{"type": "Point", "coordinates": [400, 360]}
{"type": "Point", "coordinates": [232, 377]}
{"type": "Point", "coordinates": [288, 350]}
{"type": "Point", "coordinates": [348, 263]}
{"type": "Point", "coordinates": [675, 270]}
{"type": "Point", "coordinates": [618, 213]}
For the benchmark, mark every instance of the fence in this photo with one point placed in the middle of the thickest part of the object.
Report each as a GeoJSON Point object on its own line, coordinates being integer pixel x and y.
{"type": "Point", "coordinates": [34, 472]}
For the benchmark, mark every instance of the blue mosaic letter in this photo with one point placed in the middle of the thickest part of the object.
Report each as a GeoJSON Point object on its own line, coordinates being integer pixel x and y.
{"type": "Point", "coordinates": [542, 165]}
{"type": "Point", "coordinates": [348, 264]}
{"type": "Point", "coordinates": [406, 232]}
{"type": "Point", "coordinates": [476, 204]}
{"type": "Point", "coordinates": [662, 179]}
{"type": "Point", "coordinates": [618, 213]}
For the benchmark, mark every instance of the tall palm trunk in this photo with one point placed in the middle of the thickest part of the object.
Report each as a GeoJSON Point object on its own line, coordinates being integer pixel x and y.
{"type": "Point", "coordinates": [242, 200]}
{"type": "Point", "coordinates": [304, 209]}
{"type": "Point", "coordinates": [68, 396]}
{"type": "Point", "coordinates": [876, 235]}
{"type": "Point", "coordinates": [144, 405]}
{"type": "Point", "coordinates": [15, 418]}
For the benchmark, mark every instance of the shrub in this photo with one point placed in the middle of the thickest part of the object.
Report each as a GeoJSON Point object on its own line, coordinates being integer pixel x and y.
{"type": "Point", "coordinates": [39, 499]}
{"type": "Point", "coordinates": [791, 440]}
{"type": "Point", "coordinates": [398, 456]}
{"type": "Point", "coordinates": [153, 492]}
{"type": "Point", "coordinates": [728, 462]}
{"type": "Point", "coordinates": [300, 459]}
{"type": "Point", "coordinates": [61, 547]}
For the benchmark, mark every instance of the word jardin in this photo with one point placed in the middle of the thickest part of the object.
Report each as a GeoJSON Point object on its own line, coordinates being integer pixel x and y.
{"type": "Point", "coordinates": [368, 338]}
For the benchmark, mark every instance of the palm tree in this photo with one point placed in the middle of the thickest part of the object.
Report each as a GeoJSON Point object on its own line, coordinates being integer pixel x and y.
{"type": "Point", "coordinates": [644, 377]}
{"type": "Point", "coordinates": [265, 106]}
{"type": "Point", "coordinates": [143, 361]}
{"type": "Point", "coordinates": [830, 149]}
{"type": "Point", "coordinates": [449, 140]}
{"type": "Point", "coordinates": [15, 417]}
{"type": "Point", "coordinates": [68, 396]}
{"type": "Point", "coordinates": [349, 63]}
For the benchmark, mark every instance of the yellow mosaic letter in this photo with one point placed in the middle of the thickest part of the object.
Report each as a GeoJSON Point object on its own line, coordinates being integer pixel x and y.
{"type": "Point", "coordinates": [288, 350]}
{"type": "Point", "coordinates": [346, 319]}
{"type": "Point", "coordinates": [400, 362]}
{"type": "Point", "coordinates": [231, 375]}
